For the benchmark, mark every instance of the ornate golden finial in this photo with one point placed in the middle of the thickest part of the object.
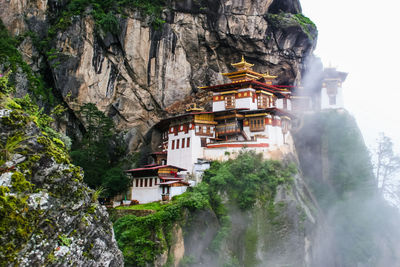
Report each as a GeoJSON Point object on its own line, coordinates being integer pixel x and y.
{"type": "Point", "coordinates": [268, 76]}
{"type": "Point", "coordinates": [242, 65]}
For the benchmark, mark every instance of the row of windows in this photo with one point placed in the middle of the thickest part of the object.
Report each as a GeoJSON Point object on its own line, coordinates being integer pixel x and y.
{"type": "Point", "coordinates": [179, 128]}
{"type": "Point", "coordinates": [204, 129]}
{"type": "Point", "coordinates": [263, 101]}
{"type": "Point", "coordinates": [180, 144]}
{"type": "Point", "coordinates": [145, 182]}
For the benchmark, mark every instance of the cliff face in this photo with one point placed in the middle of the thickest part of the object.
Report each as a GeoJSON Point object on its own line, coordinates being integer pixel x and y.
{"type": "Point", "coordinates": [48, 215]}
{"type": "Point", "coordinates": [138, 73]}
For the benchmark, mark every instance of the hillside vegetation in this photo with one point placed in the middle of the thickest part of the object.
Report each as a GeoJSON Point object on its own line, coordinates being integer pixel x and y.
{"type": "Point", "coordinates": [337, 166]}
{"type": "Point", "coordinates": [244, 181]}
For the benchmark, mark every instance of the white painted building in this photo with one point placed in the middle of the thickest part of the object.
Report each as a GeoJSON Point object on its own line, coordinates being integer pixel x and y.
{"type": "Point", "coordinates": [155, 183]}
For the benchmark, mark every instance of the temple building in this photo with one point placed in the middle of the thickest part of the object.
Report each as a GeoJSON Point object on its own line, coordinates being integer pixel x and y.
{"type": "Point", "coordinates": [249, 112]}
{"type": "Point", "coordinates": [332, 92]}
{"type": "Point", "coordinates": [323, 91]}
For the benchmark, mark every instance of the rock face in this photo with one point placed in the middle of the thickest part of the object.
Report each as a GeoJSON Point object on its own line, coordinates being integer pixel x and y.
{"type": "Point", "coordinates": [135, 75]}
{"type": "Point", "coordinates": [48, 216]}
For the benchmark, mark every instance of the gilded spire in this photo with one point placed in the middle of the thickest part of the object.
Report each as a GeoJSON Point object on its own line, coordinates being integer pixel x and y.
{"type": "Point", "coordinates": [268, 76]}
{"type": "Point", "coordinates": [242, 65]}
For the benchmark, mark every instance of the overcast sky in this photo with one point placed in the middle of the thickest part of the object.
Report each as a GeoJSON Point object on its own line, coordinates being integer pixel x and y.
{"type": "Point", "coordinates": [362, 37]}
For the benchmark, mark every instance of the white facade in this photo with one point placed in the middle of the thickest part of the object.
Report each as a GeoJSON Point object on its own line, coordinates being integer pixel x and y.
{"type": "Point", "coordinates": [218, 106]}
{"type": "Point", "coordinates": [146, 194]}
{"type": "Point", "coordinates": [334, 101]}
{"type": "Point", "coordinates": [184, 157]}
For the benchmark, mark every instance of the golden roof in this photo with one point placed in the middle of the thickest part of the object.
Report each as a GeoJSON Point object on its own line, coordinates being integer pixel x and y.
{"type": "Point", "coordinates": [242, 65]}
{"type": "Point", "coordinates": [268, 76]}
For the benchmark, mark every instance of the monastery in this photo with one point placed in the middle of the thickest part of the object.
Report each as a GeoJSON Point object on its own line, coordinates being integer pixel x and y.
{"type": "Point", "coordinates": [249, 112]}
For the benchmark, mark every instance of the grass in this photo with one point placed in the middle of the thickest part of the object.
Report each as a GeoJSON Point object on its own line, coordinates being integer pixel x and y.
{"type": "Point", "coordinates": [157, 206]}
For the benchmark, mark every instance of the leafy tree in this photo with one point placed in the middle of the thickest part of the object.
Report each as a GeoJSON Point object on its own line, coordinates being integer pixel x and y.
{"type": "Point", "coordinates": [99, 152]}
{"type": "Point", "coordinates": [387, 163]}
{"type": "Point", "coordinates": [115, 181]}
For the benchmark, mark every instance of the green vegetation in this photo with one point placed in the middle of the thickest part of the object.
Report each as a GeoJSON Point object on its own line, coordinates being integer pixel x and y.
{"type": "Point", "coordinates": [149, 206]}
{"type": "Point", "coordinates": [11, 61]}
{"type": "Point", "coordinates": [18, 221]}
{"type": "Point", "coordinates": [104, 12]}
{"type": "Point", "coordinates": [99, 152]}
{"type": "Point", "coordinates": [348, 195]}
{"type": "Point", "coordinates": [141, 239]}
{"type": "Point", "coordinates": [286, 20]}
{"type": "Point", "coordinates": [245, 181]}
{"type": "Point", "coordinates": [248, 178]}
{"type": "Point", "coordinates": [64, 240]}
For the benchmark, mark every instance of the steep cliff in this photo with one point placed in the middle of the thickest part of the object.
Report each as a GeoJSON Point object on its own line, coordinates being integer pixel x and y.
{"type": "Point", "coordinates": [48, 216]}
{"type": "Point", "coordinates": [137, 72]}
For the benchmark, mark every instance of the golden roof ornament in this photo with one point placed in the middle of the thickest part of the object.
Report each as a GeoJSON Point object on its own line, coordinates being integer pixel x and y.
{"type": "Point", "coordinates": [242, 65]}
{"type": "Point", "coordinates": [268, 76]}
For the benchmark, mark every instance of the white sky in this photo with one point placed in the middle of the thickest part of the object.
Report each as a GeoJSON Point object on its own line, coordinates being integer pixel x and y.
{"type": "Point", "coordinates": [362, 37]}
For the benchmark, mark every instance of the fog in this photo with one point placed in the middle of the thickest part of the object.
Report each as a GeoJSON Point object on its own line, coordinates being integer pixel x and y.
{"type": "Point", "coordinates": [359, 225]}
{"type": "Point", "coordinates": [360, 37]}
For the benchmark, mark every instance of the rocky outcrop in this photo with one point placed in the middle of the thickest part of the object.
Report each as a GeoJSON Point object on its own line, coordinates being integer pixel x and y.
{"type": "Point", "coordinates": [137, 74]}
{"type": "Point", "coordinates": [48, 216]}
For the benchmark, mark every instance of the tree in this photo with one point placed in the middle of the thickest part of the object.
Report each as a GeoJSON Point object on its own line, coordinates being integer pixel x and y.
{"type": "Point", "coordinates": [99, 152]}
{"type": "Point", "coordinates": [386, 164]}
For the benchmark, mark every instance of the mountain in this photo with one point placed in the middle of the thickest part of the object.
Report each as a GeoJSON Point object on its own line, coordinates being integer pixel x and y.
{"type": "Point", "coordinates": [136, 69]}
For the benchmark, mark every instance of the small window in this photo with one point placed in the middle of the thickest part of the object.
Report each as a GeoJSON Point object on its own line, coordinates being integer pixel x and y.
{"type": "Point", "coordinates": [229, 101]}
{"type": "Point", "coordinates": [137, 182]}
{"type": "Point", "coordinates": [141, 182]}
{"type": "Point", "coordinates": [145, 182]}
{"type": "Point", "coordinates": [188, 142]}
{"type": "Point", "coordinates": [155, 181]}
{"type": "Point", "coordinates": [177, 144]}
{"type": "Point", "coordinates": [151, 182]}
{"type": "Point", "coordinates": [173, 144]}
{"type": "Point", "coordinates": [257, 124]}
{"type": "Point", "coordinates": [183, 142]}
{"type": "Point", "coordinates": [203, 142]}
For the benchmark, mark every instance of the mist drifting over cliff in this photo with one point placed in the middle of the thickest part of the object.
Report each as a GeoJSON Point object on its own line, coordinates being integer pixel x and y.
{"type": "Point", "coordinates": [359, 224]}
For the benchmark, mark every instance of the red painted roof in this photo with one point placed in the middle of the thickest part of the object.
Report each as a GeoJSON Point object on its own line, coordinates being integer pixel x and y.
{"type": "Point", "coordinates": [155, 168]}
{"type": "Point", "coordinates": [171, 178]}
{"type": "Point", "coordinates": [150, 165]}
{"type": "Point", "coordinates": [173, 182]}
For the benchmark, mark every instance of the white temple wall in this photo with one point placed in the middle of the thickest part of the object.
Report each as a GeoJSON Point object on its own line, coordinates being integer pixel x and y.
{"type": "Point", "coordinates": [245, 103]}
{"type": "Point", "coordinates": [218, 106]}
{"type": "Point", "coordinates": [146, 194]}
{"type": "Point", "coordinates": [182, 157]}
